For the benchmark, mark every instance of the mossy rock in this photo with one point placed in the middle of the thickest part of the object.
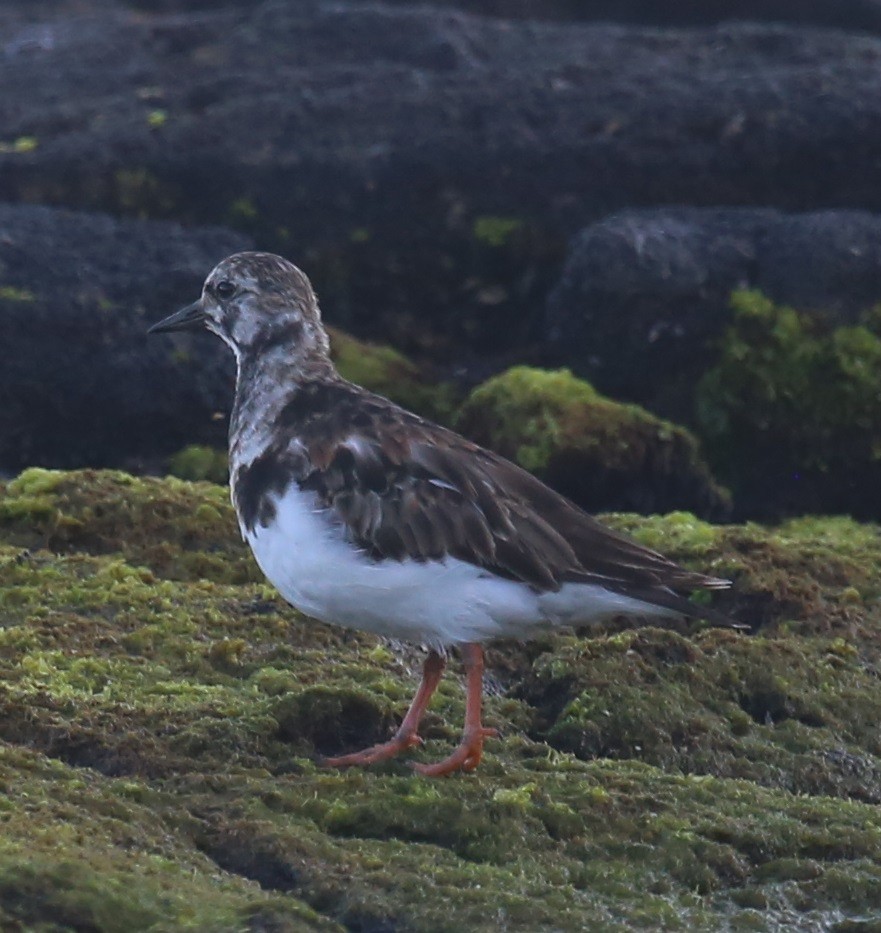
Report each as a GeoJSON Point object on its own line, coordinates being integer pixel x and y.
{"type": "Point", "coordinates": [200, 462]}
{"type": "Point", "coordinates": [600, 453]}
{"type": "Point", "coordinates": [174, 528]}
{"type": "Point", "coordinates": [791, 412]}
{"type": "Point", "coordinates": [387, 372]}
{"type": "Point", "coordinates": [161, 711]}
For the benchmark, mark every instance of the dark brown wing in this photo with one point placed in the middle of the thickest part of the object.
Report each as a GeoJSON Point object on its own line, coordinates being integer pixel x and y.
{"type": "Point", "coordinates": [604, 556]}
{"type": "Point", "coordinates": [403, 495]}
{"type": "Point", "coordinates": [405, 488]}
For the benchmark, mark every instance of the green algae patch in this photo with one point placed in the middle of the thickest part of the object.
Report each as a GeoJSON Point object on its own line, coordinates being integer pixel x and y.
{"type": "Point", "coordinates": [17, 295]}
{"type": "Point", "coordinates": [387, 372]}
{"type": "Point", "coordinates": [809, 576]}
{"type": "Point", "coordinates": [496, 231]}
{"type": "Point", "coordinates": [198, 462]}
{"type": "Point", "coordinates": [163, 714]}
{"type": "Point", "coordinates": [790, 712]}
{"type": "Point", "coordinates": [610, 845]}
{"type": "Point", "coordinates": [600, 453]}
{"type": "Point", "coordinates": [792, 406]}
{"type": "Point", "coordinates": [82, 851]}
{"type": "Point", "coordinates": [176, 528]}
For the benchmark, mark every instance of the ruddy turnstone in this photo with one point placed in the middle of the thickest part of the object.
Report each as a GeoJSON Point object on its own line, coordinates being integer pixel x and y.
{"type": "Point", "coordinates": [367, 516]}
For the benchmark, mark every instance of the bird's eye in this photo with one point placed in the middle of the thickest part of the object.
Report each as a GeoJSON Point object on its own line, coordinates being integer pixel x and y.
{"type": "Point", "coordinates": [225, 289]}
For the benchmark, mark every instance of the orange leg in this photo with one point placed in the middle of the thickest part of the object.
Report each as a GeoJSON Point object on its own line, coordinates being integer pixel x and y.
{"type": "Point", "coordinates": [406, 736]}
{"type": "Point", "coordinates": [467, 756]}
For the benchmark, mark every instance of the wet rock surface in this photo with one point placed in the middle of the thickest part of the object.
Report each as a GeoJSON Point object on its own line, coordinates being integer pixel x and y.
{"type": "Point", "coordinates": [161, 712]}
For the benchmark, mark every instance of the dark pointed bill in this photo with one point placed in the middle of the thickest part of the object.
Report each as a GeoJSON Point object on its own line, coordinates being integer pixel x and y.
{"type": "Point", "coordinates": [188, 318]}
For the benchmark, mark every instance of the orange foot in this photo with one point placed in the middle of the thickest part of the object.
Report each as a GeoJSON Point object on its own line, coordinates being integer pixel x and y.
{"type": "Point", "coordinates": [381, 752]}
{"type": "Point", "coordinates": [465, 758]}
{"type": "Point", "coordinates": [406, 736]}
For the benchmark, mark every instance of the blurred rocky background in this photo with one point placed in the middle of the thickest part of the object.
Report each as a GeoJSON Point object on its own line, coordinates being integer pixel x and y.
{"type": "Point", "coordinates": [667, 205]}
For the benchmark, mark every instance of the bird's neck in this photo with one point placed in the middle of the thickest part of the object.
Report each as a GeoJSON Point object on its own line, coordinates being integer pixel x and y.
{"type": "Point", "coordinates": [265, 383]}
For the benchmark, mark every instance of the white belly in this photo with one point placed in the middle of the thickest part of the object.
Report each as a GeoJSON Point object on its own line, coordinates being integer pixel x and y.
{"type": "Point", "coordinates": [305, 555]}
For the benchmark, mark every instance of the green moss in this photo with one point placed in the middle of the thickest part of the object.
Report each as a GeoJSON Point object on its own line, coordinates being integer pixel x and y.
{"type": "Point", "coordinates": [533, 413]}
{"type": "Point", "coordinates": [18, 295]}
{"type": "Point", "coordinates": [158, 733]}
{"type": "Point", "coordinates": [389, 373]}
{"type": "Point", "coordinates": [36, 482]}
{"type": "Point", "coordinates": [22, 144]}
{"type": "Point", "coordinates": [243, 211]}
{"type": "Point", "coordinates": [81, 851]}
{"type": "Point", "coordinates": [198, 462]}
{"type": "Point", "coordinates": [529, 410]}
{"type": "Point", "coordinates": [793, 405]}
{"type": "Point", "coordinates": [496, 231]}
{"type": "Point", "coordinates": [681, 704]}
{"type": "Point", "coordinates": [171, 526]}
{"type": "Point", "coordinates": [588, 446]}
{"type": "Point", "coordinates": [29, 503]}
{"type": "Point", "coordinates": [677, 532]}
{"type": "Point", "coordinates": [141, 192]}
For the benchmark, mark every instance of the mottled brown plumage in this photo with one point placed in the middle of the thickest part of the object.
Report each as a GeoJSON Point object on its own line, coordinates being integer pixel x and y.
{"type": "Point", "coordinates": [366, 515]}
{"type": "Point", "coordinates": [407, 488]}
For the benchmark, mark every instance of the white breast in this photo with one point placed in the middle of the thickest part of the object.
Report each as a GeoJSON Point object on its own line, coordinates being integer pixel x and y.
{"type": "Point", "coordinates": [306, 556]}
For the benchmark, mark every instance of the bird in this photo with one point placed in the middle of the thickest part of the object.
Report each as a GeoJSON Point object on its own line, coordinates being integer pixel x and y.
{"type": "Point", "coordinates": [365, 515]}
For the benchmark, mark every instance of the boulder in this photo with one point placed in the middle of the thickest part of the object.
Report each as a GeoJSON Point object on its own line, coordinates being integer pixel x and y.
{"type": "Point", "coordinates": [426, 165]}
{"type": "Point", "coordinates": [81, 382]}
{"type": "Point", "coordinates": [645, 296]}
{"type": "Point", "coordinates": [861, 15]}
{"type": "Point", "coordinates": [603, 455]}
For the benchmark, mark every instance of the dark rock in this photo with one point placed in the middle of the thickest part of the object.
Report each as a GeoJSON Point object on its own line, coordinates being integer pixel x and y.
{"type": "Point", "coordinates": [81, 383]}
{"type": "Point", "coordinates": [424, 165]}
{"type": "Point", "coordinates": [644, 298]}
{"type": "Point", "coordinates": [856, 15]}
{"type": "Point", "coordinates": [838, 14]}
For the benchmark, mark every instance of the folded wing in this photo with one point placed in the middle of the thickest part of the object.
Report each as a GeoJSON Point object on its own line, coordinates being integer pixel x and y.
{"type": "Point", "coordinates": [406, 488]}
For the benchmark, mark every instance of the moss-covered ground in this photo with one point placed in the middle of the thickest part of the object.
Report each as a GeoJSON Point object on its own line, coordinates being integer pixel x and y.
{"type": "Point", "coordinates": [162, 714]}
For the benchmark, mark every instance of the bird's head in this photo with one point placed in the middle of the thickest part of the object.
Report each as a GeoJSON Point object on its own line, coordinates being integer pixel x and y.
{"type": "Point", "coordinates": [255, 302]}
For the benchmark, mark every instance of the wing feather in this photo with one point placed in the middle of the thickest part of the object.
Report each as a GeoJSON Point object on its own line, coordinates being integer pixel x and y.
{"type": "Point", "coordinates": [405, 488]}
